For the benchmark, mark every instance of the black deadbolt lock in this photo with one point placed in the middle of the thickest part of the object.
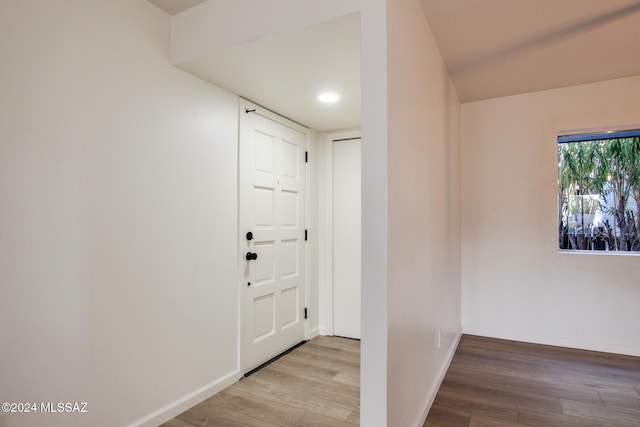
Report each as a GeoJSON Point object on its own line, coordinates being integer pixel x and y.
{"type": "Point", "coordinates": [249, 236]}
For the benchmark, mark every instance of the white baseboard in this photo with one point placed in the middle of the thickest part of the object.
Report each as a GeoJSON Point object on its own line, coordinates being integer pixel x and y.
{"type": "Point", "coordinates": [426, 407]}
{"type": "Point", "coordinates": [314, 333]}
{"type": "Point", "coordinates": [324, 331]}
{"type": "Point", "coordinates": [628, 350]}
{"type": "Point", "coordinates": [180, 405]}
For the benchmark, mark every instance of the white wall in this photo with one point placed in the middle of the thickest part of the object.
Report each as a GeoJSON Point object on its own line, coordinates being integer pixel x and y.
{"type": "Point", "coordinates": [324, 169]}
{"type": "Point", "coordinates": [118, 215]}
{"type": "Point", "coordinates": [515, 283]}
{"type": "Point", "coordinates": [373, 356]}
{"type": "Point", "coordinates": [313, 297]}
{"type": "Point", "coordinates": [424, 215]}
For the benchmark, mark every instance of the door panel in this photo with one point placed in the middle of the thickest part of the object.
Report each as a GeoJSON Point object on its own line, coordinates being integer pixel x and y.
{"type": "Point", "coordinates": [264, 316]}
{"type": "Point", "coordinates": [264, 201]}
{"type": "Point", "coordinates": [263, 266]}
{"type": "Point", "coordinates": [272, 207]}
{"type": "Point", "coordinates": [346, 237]}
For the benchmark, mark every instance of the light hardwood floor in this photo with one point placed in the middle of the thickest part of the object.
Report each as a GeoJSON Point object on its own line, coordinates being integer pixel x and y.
{"type": "Point", "coordinates": [317, 384]}
{"type": "Point", "coordinates": [505, 383]}
{"type": "Point", "coordinates": [490, 383]}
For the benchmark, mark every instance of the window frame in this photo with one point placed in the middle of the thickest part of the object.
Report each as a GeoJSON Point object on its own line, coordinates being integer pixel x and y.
{"type": "Point", "coordinates": [615, 230]}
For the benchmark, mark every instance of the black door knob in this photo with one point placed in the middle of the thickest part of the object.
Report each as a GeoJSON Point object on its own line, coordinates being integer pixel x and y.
{"type": "Point", "coordinates": [251, 256]}
{"type": "Point", "coordinates": [249, 236]}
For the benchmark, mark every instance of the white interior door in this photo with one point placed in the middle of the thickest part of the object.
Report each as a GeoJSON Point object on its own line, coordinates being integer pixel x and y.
{"type": "Point", "coordinates": [346, 237]}
{"type": "Point", "coordinates": [272, 208]}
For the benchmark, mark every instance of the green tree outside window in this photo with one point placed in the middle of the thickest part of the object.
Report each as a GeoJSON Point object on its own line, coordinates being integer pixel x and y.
{"type": "Point", "coordinates": [599, 191]}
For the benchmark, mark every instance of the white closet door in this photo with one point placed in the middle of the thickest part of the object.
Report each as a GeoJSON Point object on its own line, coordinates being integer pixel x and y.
{"type": "Point", "coordinates": [346, 237]}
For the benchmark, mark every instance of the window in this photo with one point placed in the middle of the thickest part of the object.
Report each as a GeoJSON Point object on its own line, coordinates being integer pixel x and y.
{"type": "Point", "coordinates": [599, 191]}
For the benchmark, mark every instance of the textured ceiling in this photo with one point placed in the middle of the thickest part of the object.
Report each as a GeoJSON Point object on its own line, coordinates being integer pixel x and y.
{"type": "Point", "coordinates": [495, 48]}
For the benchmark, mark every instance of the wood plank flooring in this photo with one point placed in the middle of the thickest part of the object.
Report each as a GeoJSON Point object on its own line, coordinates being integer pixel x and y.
{"type": "Point", "coordinates": [317, 384]}
{"type": "Point", "coordinates": [490, 383]}
{"type": "Point", "coordinates": [495, 382]}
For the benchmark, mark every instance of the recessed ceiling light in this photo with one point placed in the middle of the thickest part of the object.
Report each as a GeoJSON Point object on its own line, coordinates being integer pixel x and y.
{"type": "Point", "coordinates": [328, 97]}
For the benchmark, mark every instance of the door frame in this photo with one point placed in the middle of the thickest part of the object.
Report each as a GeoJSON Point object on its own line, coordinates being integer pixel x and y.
{"type": "Point", "coordinates": [246, 106]}
{"type": "Point", "coordinates": [326, 229]}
